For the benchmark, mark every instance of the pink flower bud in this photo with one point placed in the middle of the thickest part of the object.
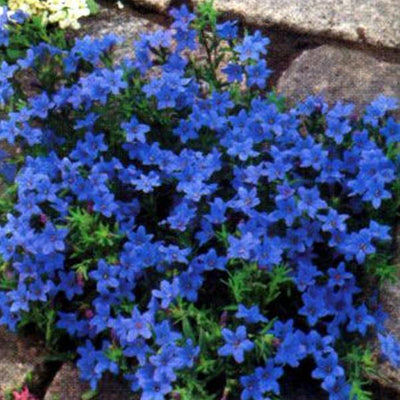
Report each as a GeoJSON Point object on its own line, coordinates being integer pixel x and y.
{"type": "Point", "coordinates": [80, 280]}
{"type": "Point", "coordinates": [223, 319]}
{"type": "Point", "coordinates": [89, 207]}
{"type": "Point", "coordinates": [43, 218]}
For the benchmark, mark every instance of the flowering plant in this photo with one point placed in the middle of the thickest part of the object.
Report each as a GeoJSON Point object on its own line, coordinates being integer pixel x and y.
{"type": "Point", "coordinates": [174, 222]}
{"type": "Point", "coordinates": [23, 395]}
{"type": "Point", "coordinates": [65, 13]}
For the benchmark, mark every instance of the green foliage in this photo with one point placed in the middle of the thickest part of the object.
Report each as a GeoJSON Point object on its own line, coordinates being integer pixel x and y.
{"type": "Point", "coordinates": [8, 394]}
{"type": "Point", "coordinates": [194, 390]}
{"type": "Point", "coordinates": [32, 32]}
{"type": "Point", "coordinates": [379, 266]}
{"type": "Point", "coordinates": [43, 317]}
{"type": "Point", "coordinates": [207, 16]}
{"type": "Point", "coordinates": [279, 101]}
{"type": "Point", "coordinates": [264, 287]}
{"type": "Point", "coordinates": [206, 24]}
{"type": "Point", "coordinates": [93, 6]}
{"type": "Point", "coordinates": [90, 235]}
{"type": "Point", "coordinates": [90, 395]}
{"type": "Point", "coordinates": [200, 326]}
{"type": "Point", "coordinates": [264, 342]}
{"type": "Point", "coordinates": [359, 362]}
{"type": "Point", "coordinates": [8, 195]}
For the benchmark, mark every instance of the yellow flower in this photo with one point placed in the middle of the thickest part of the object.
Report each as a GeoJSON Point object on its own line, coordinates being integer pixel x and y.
{"type": "Point", "coordinates": [29, 6]}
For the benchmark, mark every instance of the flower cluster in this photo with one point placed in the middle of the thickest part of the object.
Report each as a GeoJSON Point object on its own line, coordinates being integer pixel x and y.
{"type": "Point", "coordinates": [190, 232]}
{"type": "Point", "coordinates": [65, 13]}
{"type": "Point", "coordinates": [7, 18]}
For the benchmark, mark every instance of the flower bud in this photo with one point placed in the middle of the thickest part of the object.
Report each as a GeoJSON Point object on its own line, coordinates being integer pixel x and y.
{"type": "Point", "coordinates": [89, 208]}
{"type": "Point", "coordinates": [80, 280]}
{"type": "Point", "coordinates": [225, 394]}
{"type": "Point", "coordinates": [223, 319]}
{"type": "Point", "coordinates": [43, 218]}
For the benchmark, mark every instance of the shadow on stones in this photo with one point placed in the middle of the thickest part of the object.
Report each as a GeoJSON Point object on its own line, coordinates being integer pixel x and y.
{"type": "Point", "coordinates": [42, 376]}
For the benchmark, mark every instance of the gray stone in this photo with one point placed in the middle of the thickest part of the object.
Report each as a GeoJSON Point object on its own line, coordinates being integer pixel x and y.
{"type": "Point", "coordinates": [340, 73]}
{"type": "Point", "coordinates": [123, 22]}
{"type": "Point", "coordinates": [67, 385]}
{"type": "Point", "coordinates": [157, 5]}
{"type": "Point", "coordinates": [376, 22]}
{"type": "Point", "coordinates": [17, 358]}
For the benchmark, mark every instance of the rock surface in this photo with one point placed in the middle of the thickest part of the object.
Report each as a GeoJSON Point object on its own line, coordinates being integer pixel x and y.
{"type": "Point", "coordinates": [156, 5]}
{"type": "Point", "coordinates": [340, 73]}
{"type": "Point", "coordinates": [17, 359]}
{"type": "Point", "coordinates": [374, 22]}
{"type": "Point", "coordinates": [123, 22]}
{"type": "Point", "coordinates": [68, 386]}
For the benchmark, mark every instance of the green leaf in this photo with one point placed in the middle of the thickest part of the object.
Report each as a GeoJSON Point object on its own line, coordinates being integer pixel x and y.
{"type": "Point", "coordinates": [93, 6]}
{"type": "Point", "coordinates": [279, 277]}
{"type": "Point", "coordinates": [279, 101]}
{"type": "Point", "coordinates": [358, 392]}
{"type": "Point", "coordinates": [90, 395]}
{"type": "Point", "coordinates": [51, 317]}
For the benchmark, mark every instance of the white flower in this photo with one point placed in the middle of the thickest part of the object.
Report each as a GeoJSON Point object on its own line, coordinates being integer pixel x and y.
{"type": "Point", "coordinates": [65, 13]}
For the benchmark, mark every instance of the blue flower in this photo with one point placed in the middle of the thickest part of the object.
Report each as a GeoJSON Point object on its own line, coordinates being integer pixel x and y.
{"type": "Point", "coordinates": [359, 245]}
{"type": "Point", "coordinates": [310, 201]}
{"type": "Point", "coordinates": [390, 348]}
{"type": "Point", "coordinates": [251, 315]}
{"type": "Point", "coordinates": [252, 47]}
{"type": "Point", "coordinates": [189, 284]}
{"type": "Point", "coordinates": [155, 390]}
{"type": "Point", "coordinates": [328, 368]}
{"type": "Point", "coordinates": [167, 293]}
{"type": "Point", "coordinates": [236, 343]}
{"type": "Point", "coordinates": [313, 308]}
{"type": "Point", "coordinates": [258, 74]}
{"type": "Point", "coordinates": [287, 210]}
{"type": "Point", "coordinates": [360, 319]}
{"type": "Point", "coordinates": [337, 388]}
{"type": "Point", "coordinates": [182, 17]}
{"type": "Point", "coordinates": [105, 275]}
{"type": "Point", "coordinates": [227, 30]}
{"type": "Point", "coordinates": [333, 221]}
{"type": "Point", "coordinates": [242, 247]}
{"type": "Point", "coordinates": [52, 239]}
{"type": "Point", "coordinates": [268, 376]}
{"type": "Point", "coordinates": [233, 72]}
{"type": "Point", "coordinates": [93, 363]}
{"type": "Point", "coordinates": [291, 349]}
{"type": "Point", "coordinates": [378, 108]}
{"type": "Point", "coordinates": [135, 131]}
{"type": "Point", "coordinates": [138, 325]}
{"type": "Point", "coordinates": [338, 276]}
{"type": "Point", "coordinates": [247, 200]}
{"type": "Point", "coordinates": [68, 284]}
{"type": "Point", "coordinates": [251, 387]}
